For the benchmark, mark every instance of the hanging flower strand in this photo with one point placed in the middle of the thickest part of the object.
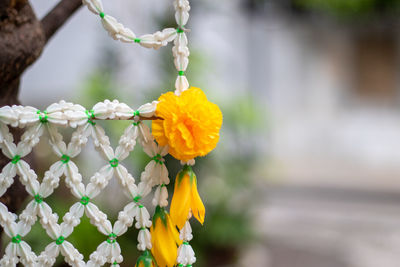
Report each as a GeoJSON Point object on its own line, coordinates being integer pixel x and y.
{"type": "Point", "coordinates": [190, 127]}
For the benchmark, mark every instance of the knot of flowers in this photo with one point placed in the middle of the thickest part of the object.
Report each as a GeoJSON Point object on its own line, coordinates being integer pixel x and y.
{"type": "Point", "coordinates": [112, 238]}
{"type": "Point", "coordinates": [42, 119]}
{"type": "Point", "coordinates": [16, 239]}
{"type": "Point", "coordinates": [65, 158]}
{"type": "Point", "coordinates": [60, 240]}
{"type": "Point", "coordinates": [15, 159]}
{"type": "Point", "coordinates": [38, 198]}
{"type": "Point", "coordinates": [114, 162]}
{"type": "Point", "coordinates": [91, 117]}
{"type": "Point", "coordinates": [157, 158]}
{"type": "Point", "coordinates": [190, 124]}
{"type": "Point", "coordinates": [85, 200]}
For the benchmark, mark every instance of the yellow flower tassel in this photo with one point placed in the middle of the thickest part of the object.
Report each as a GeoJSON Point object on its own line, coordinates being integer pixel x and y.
{"type": "Point", "coordinates": [146, 260]}
{"type": "Point", "coordinates": [186, 198]}
{"type": "Point", "coordinates": [164, 238]}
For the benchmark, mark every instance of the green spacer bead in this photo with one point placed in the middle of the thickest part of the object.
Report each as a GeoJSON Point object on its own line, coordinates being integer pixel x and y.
{"type": "Point", "coordinates": [91, 117]}
{"type": "Point", "coordinates": [137, 40]}
{"type": "Point", "coordinates": [115, 263]}
{"type": "Point", "coordinates": [137, 198]}
{"type": "Point", "coordinates": [102, 15]}
{"type": "Point", "coordinates": [185, 243]}
{"type": "Point", "coordinates": [157, 158]}
{"type": "Point", "coordinates": [85, 200]}
{"type": "Point", "coordinates": [179, 30]}
{"type": "Point", "coordinates": [114, 162]}
{"type": "Point", "coordinates": [136, 113]}
{"type": "Point", "coordinates": [180, 265]}
{"type": "Point", "coordinates": [38, 198]}
{"type": "Point", "coordinates": [141, 206]}
{"type": "Point", "coordinates": [60, 240]}
{"type": "Point", "coordinates": [15, 159]}
{"type": "Point", "coordinates": [65, 159]}
{"type": "Point", "coordinates": [42, 119]}
{"type": "Point", "coordinates": [16, 239]}
{"type": "Point", "coordinates": [189, 265]}
{"type": "Point", "coordinates": [112, 238]}
{"type": "Point", "coordinates": [181, 73]}
{"type": "Point", "coordinates": [136, 123]}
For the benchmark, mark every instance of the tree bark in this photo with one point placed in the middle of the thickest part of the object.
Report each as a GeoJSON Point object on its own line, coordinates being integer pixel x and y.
{"type": "Point", "coordinates": [22, 39]}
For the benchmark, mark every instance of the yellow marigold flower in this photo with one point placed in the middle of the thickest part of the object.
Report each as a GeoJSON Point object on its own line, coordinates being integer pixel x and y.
{"type": "Point", "coordinates": [146, 260]}
{"type": "Point", "coordinates": [190, 124]}
{"type": "Point", "coordinates": [186, 198]}
{"type": "Point", "coordinates": [164, 238]}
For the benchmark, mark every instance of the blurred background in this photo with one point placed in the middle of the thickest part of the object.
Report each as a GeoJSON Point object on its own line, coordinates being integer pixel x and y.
{"type": "Point", "coordinates": [306, 173]}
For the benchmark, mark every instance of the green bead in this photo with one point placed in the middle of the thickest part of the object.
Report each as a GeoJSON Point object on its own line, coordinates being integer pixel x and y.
{"type": "Point", "coordinates": [38, 198]}
{"type": "Point", "coordinates": [112, 238]}
{"type": "Point", "coordinates": [65, 159]}
{"type": "Point", "coordinates": [137, 198]}
{"type": "Point", "coordinates": [16, 239]}
{"type": "Point", "coordinates": [181, 73]}
{"type": "Point", "coordinates": [42, 119]}
{"type": "Point", "coordinates": [179, 30]}
{"type": "Point", "coordinates": [102, 15]}
{"type": "Point", "coordinates": [114, 162]}
{"type": "Point", "coordinates": [60, 240]}
{"type": "Point", "coordinates": [85, 200]}
{"type": "Point", "coordinates": [185, 243]}
{"type": "Point", "coordinates": [91, 117]}
{"type": "Point", "coordinates": [136, 113]}
{"type": "Point", "coordinates": [157, 158]}
{"type": "Point", "coordinates": [136, 123]}
{"type": "Point", "coordinates": [15, 159]}
{"type": "Point", "coordinates": [137, 40]}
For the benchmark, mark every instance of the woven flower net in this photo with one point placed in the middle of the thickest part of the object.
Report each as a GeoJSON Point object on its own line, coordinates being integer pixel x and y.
{"type": "Point", "coordinates": [184, 124]}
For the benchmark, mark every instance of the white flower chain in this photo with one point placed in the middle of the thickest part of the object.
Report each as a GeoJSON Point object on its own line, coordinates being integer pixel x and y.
{"type": "Point", "coordinates": [156, 40]}
{"type": "Point", "coordinates": [75, 116]}
{"type": "Point", "coordinates": [68, 114]}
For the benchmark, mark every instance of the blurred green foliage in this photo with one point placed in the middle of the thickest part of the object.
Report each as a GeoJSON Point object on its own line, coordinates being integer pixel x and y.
{"type": "Point", "coordinates": [351, 8]}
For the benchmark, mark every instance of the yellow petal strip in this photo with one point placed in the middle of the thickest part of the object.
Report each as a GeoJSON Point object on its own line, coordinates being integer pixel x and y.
{"type": "Point", "coordinates": [186, 198]}
{"type": "Point", "coordinates": [164, 239]}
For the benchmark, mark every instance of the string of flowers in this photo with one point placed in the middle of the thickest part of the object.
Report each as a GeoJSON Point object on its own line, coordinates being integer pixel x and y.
{"type": "Point", "coordinates": [184, 124]}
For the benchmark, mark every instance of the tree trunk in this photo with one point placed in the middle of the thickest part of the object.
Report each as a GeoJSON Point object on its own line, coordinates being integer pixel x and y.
{"type": "Point", "coordinates": [22, 39]}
